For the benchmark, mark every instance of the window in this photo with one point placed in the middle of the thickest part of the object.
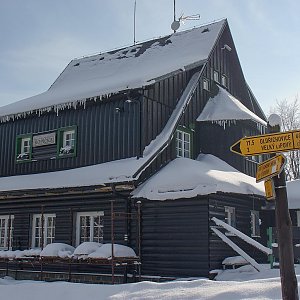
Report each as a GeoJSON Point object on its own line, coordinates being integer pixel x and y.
{"type": "Point", "coordinates": [255, 158]}
{"type": "Point", "coordinates": [183, 143]}
{"type": "Point", "coordinates": [89, 227]}
{"type": "Point", "coordinates": [216, 76]}
{"type": "Point", "coordinates": [230, 215]}
{"type": "Point", "coordinates": [224, 81]}
{"type": "Point", "coordinates": [67, 141]}
{"type": "Point", "coordinates": [255, 222]}
{"type": "Point", "coordinates": [23, 148]}
{"type": "Point", "coordinates": [205, 84]}
{"type": "Point", "coordinates": [43, 230]}
{"type": "Point", "coordinates": [6, 231]}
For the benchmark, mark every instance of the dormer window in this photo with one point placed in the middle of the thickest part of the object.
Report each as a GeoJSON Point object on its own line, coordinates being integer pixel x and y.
{"type": "Point", "coordinates": [216, 76]}
{"type": "Point", "coordinates": [23, 148]}
{"type": "Point", "coordinates": [224, 81]}
{"type": "Point", "coordinates": [67, 141]}
{"type": "Point", "coordinates": [205, 84]}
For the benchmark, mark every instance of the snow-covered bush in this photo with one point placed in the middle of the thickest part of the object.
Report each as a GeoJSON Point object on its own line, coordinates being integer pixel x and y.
{"type": "Point", "coordinates": [87, 248]}
{"type": "Point", "coordinates": [57, 250]}
{"type": "Point", "coordinates": [119, 251]}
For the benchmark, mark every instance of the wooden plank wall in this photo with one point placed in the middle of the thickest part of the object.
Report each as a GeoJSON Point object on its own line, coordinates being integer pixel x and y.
{"type": "Point", "coordinates": [175, 237]}
{"type": "Point", "coordinates": [243, 204]}
{"type": "Point", "coordinates": [65, 208]}
{"type": "Point", "coordinates": [103, 135]}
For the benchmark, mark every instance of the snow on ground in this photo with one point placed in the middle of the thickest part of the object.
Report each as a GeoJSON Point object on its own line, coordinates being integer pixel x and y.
{"type": "Point", "coordinates": [242, 283]}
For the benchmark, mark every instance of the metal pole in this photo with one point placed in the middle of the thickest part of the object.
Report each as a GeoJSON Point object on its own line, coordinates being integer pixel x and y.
{"type": "Point", "coordinates": [174, 13]}
{"type": "Point", "coordinates": [134, 13]}
{"type": "Point", "coordinates": [8, 233]}
{"type": "Point", "coordinates": [112, 242]}
{"type": "Point", "coordinates": [289, 286]}
{"type": "Point", "coordinates": [139, 238]}
{"type": "Point", "coordinates": [42, 227]}
{"type": "Point", "coordinates": [72, 225]}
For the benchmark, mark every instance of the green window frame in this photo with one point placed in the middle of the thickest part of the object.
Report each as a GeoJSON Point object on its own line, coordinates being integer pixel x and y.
{"type": "Point", "coordinates": [23, 148]}
{"type": "Point", "coordinates": [184, 142]}
{"type": "Point", "coordinates": [67, 142]}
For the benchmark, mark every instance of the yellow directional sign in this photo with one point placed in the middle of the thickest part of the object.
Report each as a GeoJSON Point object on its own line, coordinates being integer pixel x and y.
{"type": "Point", "coordinates": [270, 168]}
{"type": "Point", "coordinates": [270, 190]}
{"type": "Point", "coordinates": [267, 143]}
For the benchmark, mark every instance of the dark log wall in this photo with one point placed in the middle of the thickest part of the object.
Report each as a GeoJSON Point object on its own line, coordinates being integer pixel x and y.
{"type": "Point", "coordinates": [103, 135]}
{"type": "Point", "coordinates": [227, 62]}
{"type": "Point", "coordinates": [243, 205]}
{"type": "Point", "coordinates": [269, 220]}
{"type": "Point", "coordinates": [161, 98]}
{"type": "Point", "coordinates": [159, 102]}
{"type": "Point", "coordinates": [65, 207]}
{"type": "Point", "coordinates": [175, 237]}
{"type": "Point", "coordinates": [214, 139]}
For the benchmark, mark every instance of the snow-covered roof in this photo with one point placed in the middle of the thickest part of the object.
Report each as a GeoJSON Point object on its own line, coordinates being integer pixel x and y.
{"type": "Point", "coordinates": [123, 170]}
{"type": "Point", "coordinates": [224, 107]}
{"type": "Point", "coordinates": [110, 172]}
{"type": "Point", "coordinates": [207, 175]}
{"type": "Point", "coordinates": [293, 193]}
{"type": "Point", "coordinates": [186, 178]}
{"type": "Point", "coordinates": [132, 67]}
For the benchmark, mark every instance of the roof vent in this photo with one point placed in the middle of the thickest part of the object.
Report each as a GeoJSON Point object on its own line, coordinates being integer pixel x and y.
{"type": "Point", "coordinates": [205, 30]}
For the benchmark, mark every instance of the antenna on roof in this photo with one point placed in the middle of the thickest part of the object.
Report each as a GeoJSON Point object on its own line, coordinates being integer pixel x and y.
{"type": "Point", "coordinates": [176, 23]}
{"type": "Point", "coordinates": [134, 11]}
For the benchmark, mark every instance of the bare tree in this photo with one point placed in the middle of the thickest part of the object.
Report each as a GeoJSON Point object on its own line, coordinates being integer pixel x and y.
{"type": "Point", "coordinates": [289, 111]}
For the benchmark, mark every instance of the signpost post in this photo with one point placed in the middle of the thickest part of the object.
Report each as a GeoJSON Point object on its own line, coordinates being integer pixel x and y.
{"type": "Point", "coordinates": [272, 171]}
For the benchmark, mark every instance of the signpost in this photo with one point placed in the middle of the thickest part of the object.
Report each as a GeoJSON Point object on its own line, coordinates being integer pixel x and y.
{"type": "Point", "coordinates": [267, 143]}
{"type": "Point", "coordinates": [270, 168]}
{"type": "Point", "coordinates": [272, 172]}
{"type": "Point", "coordinates": [270, 189]}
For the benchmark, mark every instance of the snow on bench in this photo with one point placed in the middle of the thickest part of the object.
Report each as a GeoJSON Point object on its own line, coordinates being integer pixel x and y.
{"type": "Point", "coordinates": [234, 261]}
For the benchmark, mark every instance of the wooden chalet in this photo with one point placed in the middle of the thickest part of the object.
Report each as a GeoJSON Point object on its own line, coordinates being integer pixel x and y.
{"type": "Point", "coordinates": [108, 125]}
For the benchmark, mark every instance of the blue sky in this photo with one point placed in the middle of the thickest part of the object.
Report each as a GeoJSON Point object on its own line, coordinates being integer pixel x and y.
{"type": "Point", "coordinates": [38, 38]}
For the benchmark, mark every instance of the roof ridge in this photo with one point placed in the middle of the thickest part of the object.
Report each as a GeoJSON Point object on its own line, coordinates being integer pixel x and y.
{"type": "Point", "coordinates": [145, 41]}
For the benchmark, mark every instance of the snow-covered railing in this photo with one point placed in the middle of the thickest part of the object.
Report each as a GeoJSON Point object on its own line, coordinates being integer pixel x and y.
{"type": "Point", "coordinates": [243, 236]}
{"type": "Point", "coordinates": [236, 248]}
